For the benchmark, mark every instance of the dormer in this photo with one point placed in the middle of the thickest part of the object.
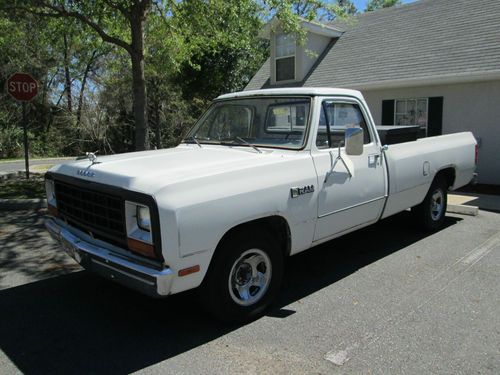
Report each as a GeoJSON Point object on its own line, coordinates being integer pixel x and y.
{"type": "Point", "coordinates": [290, 60]}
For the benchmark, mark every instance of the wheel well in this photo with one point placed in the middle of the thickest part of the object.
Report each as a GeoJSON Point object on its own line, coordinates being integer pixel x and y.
{"type": "Point", "coordinates": [277, 226]}
{"type": "Point", "coordinates": [448, 174]}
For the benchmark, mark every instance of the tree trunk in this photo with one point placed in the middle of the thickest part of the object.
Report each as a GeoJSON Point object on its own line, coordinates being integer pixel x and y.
{"type": "Point", "coordinates": [138, 80]}
{"type": "Point", "coordinates": [158, 128]}
{"type": "Point", "coordinates": [82, 89]}
{"type": "Point", "coordinates": [67, 85]}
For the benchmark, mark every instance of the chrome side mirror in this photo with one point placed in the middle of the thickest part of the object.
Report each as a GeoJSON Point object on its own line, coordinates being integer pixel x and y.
{"type": "Point", "coordinates": [354, 140]}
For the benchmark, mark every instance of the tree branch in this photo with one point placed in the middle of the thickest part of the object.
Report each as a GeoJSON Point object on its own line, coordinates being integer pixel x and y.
{"type": "Point", "coordinates": [120, 7]}
{"type": "Point", "coordinates": [63, 12]}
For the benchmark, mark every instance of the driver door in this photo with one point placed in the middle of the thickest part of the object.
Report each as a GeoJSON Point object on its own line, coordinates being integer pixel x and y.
{"type": "Point", "coordinates": [351, 194]}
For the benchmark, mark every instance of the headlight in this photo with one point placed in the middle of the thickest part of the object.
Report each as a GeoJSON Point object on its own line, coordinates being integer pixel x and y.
{"type": "Point", "coordinates": [139, 233]}
{"type": "Point", "coordinates": [51, 192]}
{"type": "Point", "coordinates": [143, 218]}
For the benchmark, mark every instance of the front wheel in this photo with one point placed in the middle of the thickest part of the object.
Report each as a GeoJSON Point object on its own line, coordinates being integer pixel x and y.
{"type": "Point", "coordinates": [430, 214]}
{"type": "Point", "coordinates": [244, 277]}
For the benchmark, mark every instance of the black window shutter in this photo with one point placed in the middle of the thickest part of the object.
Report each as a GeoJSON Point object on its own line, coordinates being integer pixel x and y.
{"type": "Point", "coordinates": [387, 112]}
{"type": "Point", "coordinates": [435, 116]}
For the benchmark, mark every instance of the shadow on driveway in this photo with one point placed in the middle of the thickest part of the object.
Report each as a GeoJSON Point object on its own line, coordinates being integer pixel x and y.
{"type": "Point", "coordinates": [79, 323]}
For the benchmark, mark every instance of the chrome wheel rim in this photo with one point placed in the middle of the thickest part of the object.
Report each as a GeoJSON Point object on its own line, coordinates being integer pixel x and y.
{"type": "Point", "coordinates": [437, 204]}
{"type": "Point", "coordinates": [250, 277]}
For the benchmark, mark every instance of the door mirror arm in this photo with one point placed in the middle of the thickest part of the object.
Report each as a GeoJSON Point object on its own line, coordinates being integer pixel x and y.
{"type": "Point", "coordinates": [334, 163]}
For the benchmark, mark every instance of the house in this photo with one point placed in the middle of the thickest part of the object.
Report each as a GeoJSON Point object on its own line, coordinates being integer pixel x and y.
{"type": "Point", "coordinates": [432, 63]}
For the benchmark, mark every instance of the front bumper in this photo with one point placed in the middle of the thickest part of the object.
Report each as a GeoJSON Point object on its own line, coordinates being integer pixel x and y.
{"type": "Point", "coordinates": [109, 264]}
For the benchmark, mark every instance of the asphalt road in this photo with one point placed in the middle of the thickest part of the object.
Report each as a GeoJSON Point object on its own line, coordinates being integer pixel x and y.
{"type": "Point", "coordinates": [383, 300]}
{"type": "Point", "coordinates": [18, 165]}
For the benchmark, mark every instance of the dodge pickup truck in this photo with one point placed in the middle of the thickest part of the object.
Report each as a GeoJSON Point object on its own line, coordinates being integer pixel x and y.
{"type": "Point", "coordinates": [262, 175]}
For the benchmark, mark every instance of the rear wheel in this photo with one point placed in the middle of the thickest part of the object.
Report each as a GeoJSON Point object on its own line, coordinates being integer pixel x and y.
{"type": "Point", "coordinates": [243, 278]}
{"type": "Point", "coordinates": [430, 214]}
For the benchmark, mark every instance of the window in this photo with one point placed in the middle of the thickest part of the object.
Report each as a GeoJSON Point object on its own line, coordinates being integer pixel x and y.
{"type": "Point", "coordinates": [278, 122]}
{"type": "Point", "coordinates": [285, 57]}
{"type": "Point", "coordinates": [288, 117]}
{"type": "Point", "coordinates": [228, 121]}
{"type": "Point", "coordinates": [339, 116]}
{"type": "Point", "coordinates": [411, 112]}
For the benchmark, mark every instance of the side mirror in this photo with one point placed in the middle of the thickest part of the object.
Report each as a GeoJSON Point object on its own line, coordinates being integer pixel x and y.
{"type": "Point", "coordinates": [354, 140]}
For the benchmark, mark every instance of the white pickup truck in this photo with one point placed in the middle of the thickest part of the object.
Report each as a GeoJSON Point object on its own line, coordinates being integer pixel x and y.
{"type": "Point", "coordinates": [261, 176]}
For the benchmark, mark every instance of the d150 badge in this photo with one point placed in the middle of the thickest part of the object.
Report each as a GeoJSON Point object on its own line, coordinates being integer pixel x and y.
{"type": "Point", "coordinates": [296, 191]}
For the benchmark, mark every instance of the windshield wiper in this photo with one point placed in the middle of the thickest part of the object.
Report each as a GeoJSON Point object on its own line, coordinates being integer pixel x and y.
{"type": "Point", "coordinates": [241, 141]}
{"type": "Point", "coordinates": [194, 139]}
{"type": "Point", "coordinates": [248, 143]}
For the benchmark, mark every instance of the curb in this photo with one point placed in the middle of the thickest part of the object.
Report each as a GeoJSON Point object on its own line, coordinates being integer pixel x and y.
{"type": "Point", "coordinates": [8, 175]}
{"type": "Point", "coordinates": [22, 204]}
{"type": "Point", "coordinates": [462, 209]}
{"type": "Point", "coordinates": [13, 174]}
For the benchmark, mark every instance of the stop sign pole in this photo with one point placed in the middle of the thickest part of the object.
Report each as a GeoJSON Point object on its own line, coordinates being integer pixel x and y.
{"type": "Point", "coordinates": [23, 88]}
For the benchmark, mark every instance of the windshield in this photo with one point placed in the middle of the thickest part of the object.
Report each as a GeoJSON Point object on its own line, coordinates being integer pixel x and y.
{"type": "Point", "coordinates": [267, 122]}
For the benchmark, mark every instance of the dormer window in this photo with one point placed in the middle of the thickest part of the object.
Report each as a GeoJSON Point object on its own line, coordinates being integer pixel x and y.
{"type": "Point", "coordinates": [285, 57]}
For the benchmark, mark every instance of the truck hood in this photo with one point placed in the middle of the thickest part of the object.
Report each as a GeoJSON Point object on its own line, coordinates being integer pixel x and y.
{"type": "Point", "coordinates": [150, 171]}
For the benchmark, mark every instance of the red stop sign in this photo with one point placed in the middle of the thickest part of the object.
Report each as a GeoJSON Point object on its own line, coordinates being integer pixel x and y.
{"type": "Point", "coordinates": [22, 87]}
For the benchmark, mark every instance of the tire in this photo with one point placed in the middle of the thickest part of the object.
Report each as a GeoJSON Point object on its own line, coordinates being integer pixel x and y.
{"type": "Point", "coordinates": [244, 276]}
{"type": "Point", "coordinates": [430, 214]}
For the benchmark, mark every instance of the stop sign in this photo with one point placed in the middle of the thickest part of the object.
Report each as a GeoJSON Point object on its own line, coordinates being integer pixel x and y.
{"type": "Point", "coordinates": [22, 87]}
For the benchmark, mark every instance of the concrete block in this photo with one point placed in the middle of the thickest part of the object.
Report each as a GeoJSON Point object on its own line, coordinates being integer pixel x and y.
{"type": "Point", "coordinates": [462, 209]}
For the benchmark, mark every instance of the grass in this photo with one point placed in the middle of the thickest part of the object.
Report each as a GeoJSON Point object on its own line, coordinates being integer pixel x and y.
{"type": "Point", "coordinates": [20, 188]}
{"type": "Point", "coordinates": [41, 168]}
{"type": "Point", "coordinates": [11, 160]}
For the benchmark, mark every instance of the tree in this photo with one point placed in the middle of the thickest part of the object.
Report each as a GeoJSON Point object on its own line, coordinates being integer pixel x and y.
{"type": "Point", "coordinates": [347, 7]}
{"type": "Point", "coordinates": [120, 23]}
{"type": "Point", "coordinates": [229, 50]}
{"type": "Point", "coordinates": [379, 4]}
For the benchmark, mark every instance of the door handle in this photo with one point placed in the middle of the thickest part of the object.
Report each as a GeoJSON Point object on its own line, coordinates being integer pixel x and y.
{"type": "Point", "coordinates": [373, 159]}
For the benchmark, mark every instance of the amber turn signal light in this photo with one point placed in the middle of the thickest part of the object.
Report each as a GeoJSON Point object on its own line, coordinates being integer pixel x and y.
{"type": "Point", "coordinates": [189, 270]}
{"type": "Point", "coordinates": [141, 247]}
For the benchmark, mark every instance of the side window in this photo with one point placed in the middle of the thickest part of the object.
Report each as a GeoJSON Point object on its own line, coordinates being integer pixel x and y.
{"type": "Point", "coordinates": [335, 117]}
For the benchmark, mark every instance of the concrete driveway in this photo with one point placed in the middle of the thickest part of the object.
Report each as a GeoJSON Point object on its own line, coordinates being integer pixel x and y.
{"type": "Point", "coordinates": [383, 300]}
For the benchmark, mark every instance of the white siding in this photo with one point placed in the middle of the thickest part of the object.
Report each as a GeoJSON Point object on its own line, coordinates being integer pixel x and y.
{"type": "Point", "coordinates": [467, 107]}
{"type": "Point", "coordinates": [309, 53]}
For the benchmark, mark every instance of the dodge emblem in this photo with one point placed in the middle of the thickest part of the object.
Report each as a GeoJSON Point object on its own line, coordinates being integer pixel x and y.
{"type": "Point", "coordinates": [85, 173]}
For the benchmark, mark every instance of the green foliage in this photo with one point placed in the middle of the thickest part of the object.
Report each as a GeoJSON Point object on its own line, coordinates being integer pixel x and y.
{"type": "Point", "coordinates": [348, 7]}
{"type": "Point", "coordinates": [226, 54]}
{"type": "Point", "coordinates": [379, 4]}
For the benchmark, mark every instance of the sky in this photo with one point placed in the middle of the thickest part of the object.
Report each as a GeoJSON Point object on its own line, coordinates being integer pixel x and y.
{"type": "Point", "coordinates": [361, 4]}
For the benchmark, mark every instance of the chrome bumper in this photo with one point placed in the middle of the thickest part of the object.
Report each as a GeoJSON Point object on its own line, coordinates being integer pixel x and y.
{"type": "Point", "coordinates": [110, 265]}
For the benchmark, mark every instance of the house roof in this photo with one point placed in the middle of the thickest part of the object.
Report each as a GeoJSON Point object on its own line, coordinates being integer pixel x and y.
{"type": "Point", "coordinates": [315, 27]}
{"type": "Point", "coordinates": [425, 42]}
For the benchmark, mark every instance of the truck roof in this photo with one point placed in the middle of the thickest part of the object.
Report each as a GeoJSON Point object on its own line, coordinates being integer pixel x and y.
{"type": "Point", "coordinates": [316, 91]}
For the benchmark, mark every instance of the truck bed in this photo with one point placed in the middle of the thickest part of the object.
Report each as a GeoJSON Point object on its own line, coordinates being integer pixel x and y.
{"type": "Point", "coordinates": [412, 166]}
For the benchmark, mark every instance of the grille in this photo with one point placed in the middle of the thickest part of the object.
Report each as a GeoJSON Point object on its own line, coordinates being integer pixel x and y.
{"type": "Point", "coordinates": [99, 213]}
